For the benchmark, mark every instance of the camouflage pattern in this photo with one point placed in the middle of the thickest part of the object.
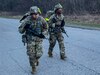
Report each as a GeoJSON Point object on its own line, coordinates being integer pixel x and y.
{"type": "Point", "coordinates": [55, 30]}
{"type": "Point", "coordinates": [34, 50]}
{"type": "Point", "coordinates": [48, 14]}
{"type": "Point", "coordinates": [56, 34]}
{"type": "Point", "coordinates": [58, 6]}
{"type": "Point", "coordinates": [34, 43]}
{"type": "Point", "coordinates": [34, 9]}
{"type": "Point", "coordinates": [29, 12]}
{"type": "Point", "coordinates": [60, 39]}
{"type": "Point", "coordinates": [25, 16]}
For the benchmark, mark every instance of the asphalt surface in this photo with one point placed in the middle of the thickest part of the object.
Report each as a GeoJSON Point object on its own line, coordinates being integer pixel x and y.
{"type": "Point", "coordinates": [82, 50]}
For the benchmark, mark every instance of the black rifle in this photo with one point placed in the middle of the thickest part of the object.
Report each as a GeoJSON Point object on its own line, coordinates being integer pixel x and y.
{"type": "Point", "coordinates": [33, 32]}
{"type": "Point", "coordinates": [63, 30]}
{"type": "Point", "coordinates": [62, 25]}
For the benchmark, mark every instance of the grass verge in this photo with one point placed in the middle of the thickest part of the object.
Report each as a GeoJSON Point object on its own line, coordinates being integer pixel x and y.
{"type": "Point", "coordinates": [89, 21]}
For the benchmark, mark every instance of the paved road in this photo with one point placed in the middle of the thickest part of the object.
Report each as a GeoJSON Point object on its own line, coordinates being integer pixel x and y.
{"type": "Point", "coordinates": [82, 49]}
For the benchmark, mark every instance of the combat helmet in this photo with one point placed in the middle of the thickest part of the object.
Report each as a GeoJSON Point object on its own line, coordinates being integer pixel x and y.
{"type": "Point", "coordinates": [58, 6]}
{"type": "Point", "coordinates": [35, 9]}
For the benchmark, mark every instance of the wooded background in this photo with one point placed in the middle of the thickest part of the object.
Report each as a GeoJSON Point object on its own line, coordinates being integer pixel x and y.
{"type": "Point", "coordinates": [71, 7]}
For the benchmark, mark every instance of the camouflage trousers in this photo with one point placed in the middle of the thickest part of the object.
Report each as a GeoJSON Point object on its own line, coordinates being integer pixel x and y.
{"type": "Point", "coordinates": [34, 50]}
{"type": "Point", "coordinates": [57, 37]}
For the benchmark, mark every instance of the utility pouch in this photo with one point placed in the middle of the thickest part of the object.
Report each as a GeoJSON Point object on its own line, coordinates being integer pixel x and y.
{"type": "Point", "coordinates": [24, 39]}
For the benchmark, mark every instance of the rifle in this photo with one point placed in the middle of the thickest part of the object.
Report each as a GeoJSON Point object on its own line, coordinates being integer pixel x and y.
{"type": "Point", "coordinates": [33, 32]}
{"type": "Point", "coordinates": [62, 25]}
{"type": "Point", "coordinates": [65, 32]}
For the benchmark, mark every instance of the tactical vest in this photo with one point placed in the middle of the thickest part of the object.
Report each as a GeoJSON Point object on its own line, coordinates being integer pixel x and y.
{"type": "Point", "coordinates": [58, 24]}
{"type": "Point", "coordinates": [36, 25]}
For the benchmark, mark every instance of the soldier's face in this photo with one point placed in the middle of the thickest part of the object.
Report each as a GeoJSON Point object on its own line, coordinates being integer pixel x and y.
{"type": "Point", "coordinates": [35, 15]}
{"type": "Point", "coordinates": [59, 11]}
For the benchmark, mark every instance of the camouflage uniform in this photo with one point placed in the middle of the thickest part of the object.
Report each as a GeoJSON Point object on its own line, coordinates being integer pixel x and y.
{"type": "Point", "coordinates": [34, 43]}
{"type": "Point", "coordinates": [55, 30]}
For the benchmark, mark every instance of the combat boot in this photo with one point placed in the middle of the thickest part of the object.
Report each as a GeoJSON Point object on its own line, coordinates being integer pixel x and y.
{"type": "Point", "coordinates": [33, 69]}
{"type": "Point", "coordinates": [63, 57]}
{"type": "Point", "coordinates": [50, 53]}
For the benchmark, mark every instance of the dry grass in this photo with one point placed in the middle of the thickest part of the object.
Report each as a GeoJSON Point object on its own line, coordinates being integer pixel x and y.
{"type": "Point", "coordinates": [86, 20]}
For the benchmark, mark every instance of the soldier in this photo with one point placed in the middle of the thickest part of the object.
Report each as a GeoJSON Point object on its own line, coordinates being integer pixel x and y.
{"type": "Point", "coordinates": [56, 27]}
{"type": "Point", "coordinates": [34, 27]}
